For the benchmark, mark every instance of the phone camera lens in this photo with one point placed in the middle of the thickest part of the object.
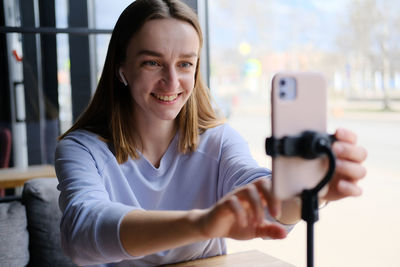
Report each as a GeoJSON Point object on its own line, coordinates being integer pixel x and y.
{"type": "Point", "coordinates": [282, 94]}
{"type": "Point", "coordinates": [282, 82]}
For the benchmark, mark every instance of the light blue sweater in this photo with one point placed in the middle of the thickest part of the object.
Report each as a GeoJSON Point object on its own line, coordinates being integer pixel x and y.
{"type": "Point", "coordinates": [96, 192]}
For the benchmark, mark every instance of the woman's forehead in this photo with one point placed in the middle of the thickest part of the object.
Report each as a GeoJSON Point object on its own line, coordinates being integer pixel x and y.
{"type": "Point", "coordinates": [163, 35]}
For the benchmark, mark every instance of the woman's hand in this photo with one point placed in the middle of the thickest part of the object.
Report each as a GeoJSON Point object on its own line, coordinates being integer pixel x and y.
{"type": "Point", "coordinates": [241, 214]}
{"type": "Point", "coordinates": [349, 171]}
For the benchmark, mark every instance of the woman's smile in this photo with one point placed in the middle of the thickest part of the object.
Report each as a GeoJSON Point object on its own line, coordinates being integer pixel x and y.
{"type": "Point", "coordinates": [166, 98]}
{"type": "Point", "coordinates": [160, 68]}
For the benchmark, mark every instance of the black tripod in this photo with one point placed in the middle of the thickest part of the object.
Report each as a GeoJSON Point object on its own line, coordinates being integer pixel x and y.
{"type": "Point", "coordinates": [308, 145]}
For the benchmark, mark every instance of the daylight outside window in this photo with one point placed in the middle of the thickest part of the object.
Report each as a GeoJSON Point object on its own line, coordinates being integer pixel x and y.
{"type": "Point", "coordinates": [355, 44]}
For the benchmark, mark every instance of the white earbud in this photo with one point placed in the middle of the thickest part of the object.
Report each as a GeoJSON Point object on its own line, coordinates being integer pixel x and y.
{"type": "Point", "coordinates": [121, 74]}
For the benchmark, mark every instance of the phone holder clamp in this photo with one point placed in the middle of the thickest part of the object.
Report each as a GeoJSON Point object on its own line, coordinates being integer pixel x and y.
{"type": "Point", "coordinates": [307, 145]}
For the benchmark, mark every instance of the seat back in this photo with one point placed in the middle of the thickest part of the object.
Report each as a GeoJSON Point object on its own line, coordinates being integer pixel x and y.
{"type": "Point", "coordinates": [40, 197]}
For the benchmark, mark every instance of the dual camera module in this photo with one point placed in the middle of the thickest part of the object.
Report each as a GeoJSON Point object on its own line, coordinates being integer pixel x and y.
{"type": "Point", "coordinates": [287, 88]}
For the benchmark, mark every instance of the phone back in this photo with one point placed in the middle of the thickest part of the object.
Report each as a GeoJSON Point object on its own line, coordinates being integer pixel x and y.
{"type": "Point", "coordinates": [298, 103]}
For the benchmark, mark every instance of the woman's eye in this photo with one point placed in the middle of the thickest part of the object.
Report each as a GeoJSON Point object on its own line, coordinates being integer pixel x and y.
{"type": "Point", "coordinates": [186, 64]}
{"type": "Point", "coordinates": [150, 63]}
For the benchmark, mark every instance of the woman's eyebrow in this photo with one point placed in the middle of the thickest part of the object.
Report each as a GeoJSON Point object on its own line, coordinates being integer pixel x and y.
{"type": "Point", "coordinates": [189, 55]}
{"type": "Point", "coordinates": [147, 52]}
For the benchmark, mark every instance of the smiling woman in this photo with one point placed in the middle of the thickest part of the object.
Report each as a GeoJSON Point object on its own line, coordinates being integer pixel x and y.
{"type": "Point", "coordinates": [149, 174]}
{"type": "Point", "coordinates": [160, 66]}
{"type": "Point", "coordinates": [170, 47]}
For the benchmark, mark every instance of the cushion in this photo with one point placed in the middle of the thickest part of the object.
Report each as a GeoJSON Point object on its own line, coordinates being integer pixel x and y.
{"type": "Point", "coordinates": [14, 238]}
{"type": "Point", "coordinates": [40, 196]}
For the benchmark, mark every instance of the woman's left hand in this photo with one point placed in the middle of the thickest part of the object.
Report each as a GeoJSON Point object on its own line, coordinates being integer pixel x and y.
{"type": "Point", "coordinates": [349, 169]}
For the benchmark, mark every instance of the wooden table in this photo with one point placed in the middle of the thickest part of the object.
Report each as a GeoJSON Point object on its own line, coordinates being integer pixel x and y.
{"type": "Point", "coordinates": [15, 177]}
{"type": "Point", "coordinates": [252, 258]}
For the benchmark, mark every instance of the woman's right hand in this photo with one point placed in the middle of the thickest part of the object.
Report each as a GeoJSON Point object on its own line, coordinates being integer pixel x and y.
{"type": "Point", "coordinates": [241, 214]}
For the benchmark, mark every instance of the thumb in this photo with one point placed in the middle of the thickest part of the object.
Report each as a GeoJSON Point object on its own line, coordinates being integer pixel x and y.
{"type": "Point", "coordinates": [274, 207]}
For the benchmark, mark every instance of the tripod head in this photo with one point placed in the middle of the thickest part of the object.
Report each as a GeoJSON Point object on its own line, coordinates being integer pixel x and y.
{"type": "Point", "coordinates": [307, 145]}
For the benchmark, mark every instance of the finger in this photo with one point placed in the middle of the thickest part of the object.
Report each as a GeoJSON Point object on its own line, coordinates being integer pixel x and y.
{"type": "Point", "coordinates": [349, 169]}
{"type": "Point", "coordinates": [237, 209]}
{"type": "Point", "coordinates": [346, 136]}
{"type": "Point", "coordinates": [251, 195]}
{"type": "Point", "coordinates": [263, 186]}
{"type": "Point", "coordinates": [273, 204]}
{"type": "Point", "coordinates": [273, 231]}
{"type": "Point", "coordinates": [347, 188]}
{"type": "Point", "coordinates": [349, 151]}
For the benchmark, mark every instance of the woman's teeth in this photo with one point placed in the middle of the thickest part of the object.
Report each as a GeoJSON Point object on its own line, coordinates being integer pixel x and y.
{"type": "Point", "coordinates": [165, 97]}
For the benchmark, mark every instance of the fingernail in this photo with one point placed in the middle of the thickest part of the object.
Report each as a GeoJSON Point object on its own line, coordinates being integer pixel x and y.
{"type": "Point", "coordinates": [277, 213]}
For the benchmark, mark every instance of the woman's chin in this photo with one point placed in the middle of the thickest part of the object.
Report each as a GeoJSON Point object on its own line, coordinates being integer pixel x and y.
{"type": "Point", "coordinates": [169, 116]}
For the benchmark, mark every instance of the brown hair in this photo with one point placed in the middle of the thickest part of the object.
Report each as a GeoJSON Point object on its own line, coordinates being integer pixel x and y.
{"type": "Point", "coordinates": [109, 114]}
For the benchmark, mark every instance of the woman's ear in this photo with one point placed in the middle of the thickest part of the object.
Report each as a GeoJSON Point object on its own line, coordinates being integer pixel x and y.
{"type": "Point", "coordinates": [122, 76]}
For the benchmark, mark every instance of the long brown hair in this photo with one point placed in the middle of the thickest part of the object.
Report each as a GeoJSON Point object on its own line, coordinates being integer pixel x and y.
{"type": "Point", "coordinates": [109, 113]}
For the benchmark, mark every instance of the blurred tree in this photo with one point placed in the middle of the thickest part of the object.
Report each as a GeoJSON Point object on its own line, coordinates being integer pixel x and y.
{"type": "Point", "coordinates": [370, 41]}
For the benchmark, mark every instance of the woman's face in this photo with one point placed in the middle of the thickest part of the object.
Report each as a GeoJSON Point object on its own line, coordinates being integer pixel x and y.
{"type": "Point", "coordinates": [160, 68]}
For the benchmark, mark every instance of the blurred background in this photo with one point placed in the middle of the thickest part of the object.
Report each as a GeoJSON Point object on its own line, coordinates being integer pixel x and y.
{"type": "Point", "coordinates": [356, 44]}
{"type": "Point", "coordinates": [52, 53]}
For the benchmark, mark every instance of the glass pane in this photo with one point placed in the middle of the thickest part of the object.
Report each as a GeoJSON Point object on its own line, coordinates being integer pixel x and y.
{"type": "Point", "coordinates": [64, 82]}
{"type": "Point", "coordinates": [63, 67]}
{"type": "Point", "coordinates": [61, 13]}
{"type": "Point", "coordinates": [355, 44]}
{"type": "Point", "coordinates": [106, 15]}
{"type": "Point", "coordinates": [107, 12]}
{"type": "Point", "coordinates": [12, 16]}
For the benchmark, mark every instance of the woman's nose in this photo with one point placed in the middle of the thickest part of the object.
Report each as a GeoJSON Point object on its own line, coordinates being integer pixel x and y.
{"type": "Point", "coordinates": [170, 78]}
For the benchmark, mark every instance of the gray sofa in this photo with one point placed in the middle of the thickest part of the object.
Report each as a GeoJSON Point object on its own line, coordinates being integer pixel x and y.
{"type": "Point", "coordinates": [29, 227]}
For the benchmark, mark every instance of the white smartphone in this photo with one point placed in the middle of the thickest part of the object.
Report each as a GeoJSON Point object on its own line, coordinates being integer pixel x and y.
{"type": "Point", "coordinates": [298, 101]}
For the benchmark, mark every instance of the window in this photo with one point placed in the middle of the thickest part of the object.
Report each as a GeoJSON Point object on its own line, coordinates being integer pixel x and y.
{"type": "Point", "coordinates": [53, 57]}
{"type": "Point", "coordinates": [355, 45]}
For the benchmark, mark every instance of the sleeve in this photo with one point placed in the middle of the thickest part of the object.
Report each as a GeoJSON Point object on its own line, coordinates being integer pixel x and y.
{"type": "Point", "coordinates": [90, 222]}
{"type": "Point", "coordinates": [238, 167]}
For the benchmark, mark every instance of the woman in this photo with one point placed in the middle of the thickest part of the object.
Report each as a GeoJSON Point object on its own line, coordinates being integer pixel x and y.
{"type": "Point", "coordinates": [149, 174]}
